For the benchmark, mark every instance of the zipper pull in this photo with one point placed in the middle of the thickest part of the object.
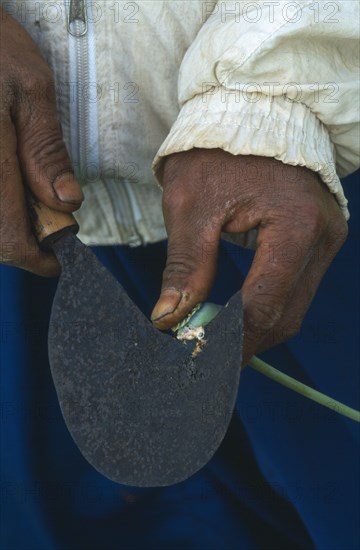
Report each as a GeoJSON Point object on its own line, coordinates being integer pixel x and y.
{"type": "Point", "coordinates": [77, 22]}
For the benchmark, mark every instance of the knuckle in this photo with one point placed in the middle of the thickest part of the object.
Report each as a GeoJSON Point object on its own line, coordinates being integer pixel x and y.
{"type": "Point", "coordinates": [47, 143]}
{"type": "Point", "coordinates": [261, 315]}
{"type": "Point", "coordinates": [336, 236]}
{"type": "Point", "coordinates": [312, 218]}
{"type": "Point", "coordinates": [180, 263]}
{"type": "Point", "coordinates": [178, 198]}
{"type": "Point", "coordinates": [341, 231]}
{"type": "Point", "coordinates": [45, 148]}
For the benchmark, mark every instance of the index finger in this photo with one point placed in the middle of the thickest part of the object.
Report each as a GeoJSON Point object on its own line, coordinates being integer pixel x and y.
{"type": "Point", "coordinates": [18, 246]}
{"type": "Point", "coordinates": [281, 256]}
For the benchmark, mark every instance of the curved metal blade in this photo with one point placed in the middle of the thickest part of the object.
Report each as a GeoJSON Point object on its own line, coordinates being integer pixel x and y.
{"type": "Point", "coordinates": [141, 408]}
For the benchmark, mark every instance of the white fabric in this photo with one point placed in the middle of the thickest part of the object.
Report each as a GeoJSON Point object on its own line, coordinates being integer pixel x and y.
{"type": "Point", "coordinates": [271, 78]}
{"type": "Point", "coordinates": [276, 79]}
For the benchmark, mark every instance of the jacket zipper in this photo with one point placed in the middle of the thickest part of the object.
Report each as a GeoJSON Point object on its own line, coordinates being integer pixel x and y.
{"type": "Point", "coordinates": [77, 21]}
{"type": "Point", "coordinates": [78, 29]}
{"type": "Point", "coordinates": [85, 132]}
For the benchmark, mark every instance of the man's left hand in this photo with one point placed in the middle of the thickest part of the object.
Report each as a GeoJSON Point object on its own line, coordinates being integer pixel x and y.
{"type": "Point", "coordinates": [300, 229]}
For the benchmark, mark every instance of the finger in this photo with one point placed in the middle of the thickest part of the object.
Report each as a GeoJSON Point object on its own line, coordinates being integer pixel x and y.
{"type": "Point", "coordinates": [306, 287]}
{"type": "Point", "coordinates": [44, 161]}
{"type": "Point", "coordinates": [18, 246]}
{"type": "Point", "coordinates": [191, 260]}
{"type": "Point", "coordinates": [281, 257]}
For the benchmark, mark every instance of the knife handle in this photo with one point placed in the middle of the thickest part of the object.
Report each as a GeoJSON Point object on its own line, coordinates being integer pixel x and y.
{"type": "Point", "coordinates": [49, 225]}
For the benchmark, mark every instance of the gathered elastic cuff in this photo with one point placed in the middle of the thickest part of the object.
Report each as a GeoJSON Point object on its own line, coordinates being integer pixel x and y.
{"type": "Point", "coordinates": [269, 127]}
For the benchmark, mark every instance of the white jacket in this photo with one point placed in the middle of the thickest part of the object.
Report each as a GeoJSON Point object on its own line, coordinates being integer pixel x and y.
{"type": "Point", "coordinates": [152, 77]}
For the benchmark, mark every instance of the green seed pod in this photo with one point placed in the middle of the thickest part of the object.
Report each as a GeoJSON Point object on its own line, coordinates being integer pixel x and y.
{"type": "Point", "coordinates": [192, 326]}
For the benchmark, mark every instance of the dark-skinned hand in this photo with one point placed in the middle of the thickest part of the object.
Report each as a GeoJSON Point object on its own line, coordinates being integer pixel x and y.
{"type": "Point", "coordinates": [31, 149]}
{"type": "Point", "coordinates": [300, 230]}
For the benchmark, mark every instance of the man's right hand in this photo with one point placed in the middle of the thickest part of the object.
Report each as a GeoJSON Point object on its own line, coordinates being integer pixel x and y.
{"type": "Point", "coordinates": [32, 151]}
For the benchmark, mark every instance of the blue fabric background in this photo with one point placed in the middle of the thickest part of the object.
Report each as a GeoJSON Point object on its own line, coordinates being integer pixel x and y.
{"type": "Point", "coordinates": [286, 475]}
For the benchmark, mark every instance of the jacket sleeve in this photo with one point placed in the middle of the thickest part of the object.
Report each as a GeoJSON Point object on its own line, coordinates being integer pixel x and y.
{"type": "Point", "coordinates": [276, 79]}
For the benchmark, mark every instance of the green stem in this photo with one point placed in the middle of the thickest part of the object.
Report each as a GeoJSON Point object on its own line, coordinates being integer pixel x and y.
{"type": "Point", "coordinates": [304, 390]}
{"type": "Point", "coordinates": [202, 314]}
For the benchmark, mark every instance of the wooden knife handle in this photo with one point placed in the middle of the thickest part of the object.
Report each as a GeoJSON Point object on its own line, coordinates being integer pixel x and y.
{"type": "Point", "coordinates": [49, 225]}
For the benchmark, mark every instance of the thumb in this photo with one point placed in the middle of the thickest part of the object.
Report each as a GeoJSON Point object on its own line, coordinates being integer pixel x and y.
{"type": "Point", "coordinates": [190, 268]}
{"type": "Point", "coordinates": [42, 153]}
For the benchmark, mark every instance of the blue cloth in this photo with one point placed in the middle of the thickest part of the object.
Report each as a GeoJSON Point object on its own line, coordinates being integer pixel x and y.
{"type": "Point", "coordinates": [286, 475]}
